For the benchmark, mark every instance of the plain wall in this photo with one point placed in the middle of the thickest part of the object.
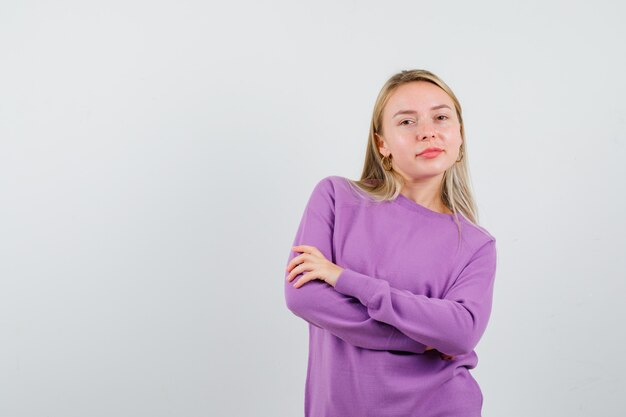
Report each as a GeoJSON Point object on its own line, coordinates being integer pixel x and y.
{"type": "Point", "coordinates": [156, 158]}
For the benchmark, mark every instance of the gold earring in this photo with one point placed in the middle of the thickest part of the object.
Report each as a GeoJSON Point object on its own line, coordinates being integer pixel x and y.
{"type": "Point", "coordinates": [386, 162]}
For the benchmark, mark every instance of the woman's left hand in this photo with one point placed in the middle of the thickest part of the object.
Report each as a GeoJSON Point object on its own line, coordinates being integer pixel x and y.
{"type": "Point", "coordinates": [312, 260]}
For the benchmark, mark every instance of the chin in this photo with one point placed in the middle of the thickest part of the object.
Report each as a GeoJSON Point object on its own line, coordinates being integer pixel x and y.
{"type": "Point", "coordinates": [420, 175]}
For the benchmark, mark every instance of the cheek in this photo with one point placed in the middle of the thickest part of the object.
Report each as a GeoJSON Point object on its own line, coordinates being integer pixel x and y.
{"type": "Point", "coordinates": [452, 137]}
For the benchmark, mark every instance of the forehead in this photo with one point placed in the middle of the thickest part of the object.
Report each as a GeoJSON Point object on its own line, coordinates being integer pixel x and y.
{"type": "Point", "coordinates": [418, 96]}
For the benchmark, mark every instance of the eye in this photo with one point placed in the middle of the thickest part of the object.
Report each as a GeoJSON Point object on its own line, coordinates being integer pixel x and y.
{"type": "Point", "coordinates": [444, 117]}
{"type": "Point", "coordinates": [405, 120]}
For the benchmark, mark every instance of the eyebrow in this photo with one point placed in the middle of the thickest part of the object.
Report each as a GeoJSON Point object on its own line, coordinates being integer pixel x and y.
{"type": "Point", "coordinates": [413, 111]}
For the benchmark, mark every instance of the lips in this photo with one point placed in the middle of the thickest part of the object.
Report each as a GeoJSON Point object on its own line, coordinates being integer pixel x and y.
{"type": "Point", "coordinates": [430, 150]}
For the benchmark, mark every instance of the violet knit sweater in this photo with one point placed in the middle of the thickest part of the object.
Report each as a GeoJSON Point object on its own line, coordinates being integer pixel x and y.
{"type": "Point", "coordinates": [408, 283]}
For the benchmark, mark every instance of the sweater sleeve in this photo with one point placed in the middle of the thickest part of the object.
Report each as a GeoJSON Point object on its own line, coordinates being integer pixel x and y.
{"type": "Point", "coordinates": [453, 324]}
{"type": "Point", "coordinates": [319, 304]}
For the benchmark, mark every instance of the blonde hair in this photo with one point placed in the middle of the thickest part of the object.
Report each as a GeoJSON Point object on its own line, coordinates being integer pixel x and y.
{"type": "Point", "coordinates": [382, 185]}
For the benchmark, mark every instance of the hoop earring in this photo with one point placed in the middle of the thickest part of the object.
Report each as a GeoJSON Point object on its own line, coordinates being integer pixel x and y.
{"type": "Point", "coordinates": [462, 154]}
{"type": "Point", "coordinates": [386, 162]}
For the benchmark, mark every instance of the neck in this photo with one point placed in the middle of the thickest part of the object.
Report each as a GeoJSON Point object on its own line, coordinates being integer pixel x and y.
{"type": "Point", "coordinates": [427, 194]}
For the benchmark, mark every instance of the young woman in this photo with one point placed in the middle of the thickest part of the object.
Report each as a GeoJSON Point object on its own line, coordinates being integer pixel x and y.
{"type": "Point", "coordinates": [392, 272]}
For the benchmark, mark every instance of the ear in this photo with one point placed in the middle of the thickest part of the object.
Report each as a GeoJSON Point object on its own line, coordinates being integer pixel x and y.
{"type": "Point", "coordinates": [380, 143]}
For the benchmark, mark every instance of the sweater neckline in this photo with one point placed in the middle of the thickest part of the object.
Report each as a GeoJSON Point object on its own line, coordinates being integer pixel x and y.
{"type": "Point", "coordinates": [412, 205]}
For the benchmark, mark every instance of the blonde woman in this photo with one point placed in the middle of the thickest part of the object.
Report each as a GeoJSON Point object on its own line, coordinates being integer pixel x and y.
{"type": "Point", "coordinates": [392, 272]}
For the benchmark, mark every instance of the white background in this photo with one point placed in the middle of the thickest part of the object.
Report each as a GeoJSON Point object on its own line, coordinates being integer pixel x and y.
{"type": "Point", "coordinates": [156, 158]}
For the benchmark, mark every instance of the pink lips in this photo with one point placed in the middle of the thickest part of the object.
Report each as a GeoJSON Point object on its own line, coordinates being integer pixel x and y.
{"type": "Point", "coordinates": [430, 152]}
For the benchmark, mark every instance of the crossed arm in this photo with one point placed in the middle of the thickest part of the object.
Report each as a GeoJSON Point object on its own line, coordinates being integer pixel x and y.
{"type": "Point", "coordinates": [369, 313]}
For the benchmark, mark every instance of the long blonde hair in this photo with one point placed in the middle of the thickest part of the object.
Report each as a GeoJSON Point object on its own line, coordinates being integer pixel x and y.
{"type": "Point", "coordinates": [382, 185]}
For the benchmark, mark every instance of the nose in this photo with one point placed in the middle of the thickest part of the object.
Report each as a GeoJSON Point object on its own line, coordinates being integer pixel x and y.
{"type": "Point", "coordinates": [426, 130]}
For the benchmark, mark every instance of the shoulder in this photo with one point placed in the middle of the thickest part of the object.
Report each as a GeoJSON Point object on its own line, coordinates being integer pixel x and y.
{"type": "Point", "coordinates": [334, 185]}
{"type": "Point", "coordinates": [333, 192]}
{"type": "Point", "coordinates": [340, 190]}
{"type": "Point", "coordinates": [324, 192]}
{"type": "Point", "coordinates": [478, 239]}
{"type": "Point", "coordinates": [331, 182]}
{"type": "Point", "coordinates": [478, 232]}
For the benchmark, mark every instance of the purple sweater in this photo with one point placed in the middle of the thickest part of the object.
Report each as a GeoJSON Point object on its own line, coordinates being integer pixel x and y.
{"type": "Point", "coordinates": [407, 284]}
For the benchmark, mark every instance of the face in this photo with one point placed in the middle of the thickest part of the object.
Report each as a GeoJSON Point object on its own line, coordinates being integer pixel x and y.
{"type": "Point", "coordinates": [417, 116]}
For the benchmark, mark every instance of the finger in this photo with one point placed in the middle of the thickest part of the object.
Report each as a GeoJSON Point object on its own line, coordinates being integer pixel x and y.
{"type": "Point", "coordinates": [306, 249]}
{"type": "Point", "coordinates": [313, 250]}
{"type": "Point", "coordinates": [295, 261]}
{"type": "Point", "coordinates": [296, 271]}
{"type": "Point", "coordinates": [298, 260]}
{"type": "Point", "coordinates": [316, 252]}
{"type": "Point", "coordinates": [300, 248]}
{"type": "Point", "coordinates": [303, 280]}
